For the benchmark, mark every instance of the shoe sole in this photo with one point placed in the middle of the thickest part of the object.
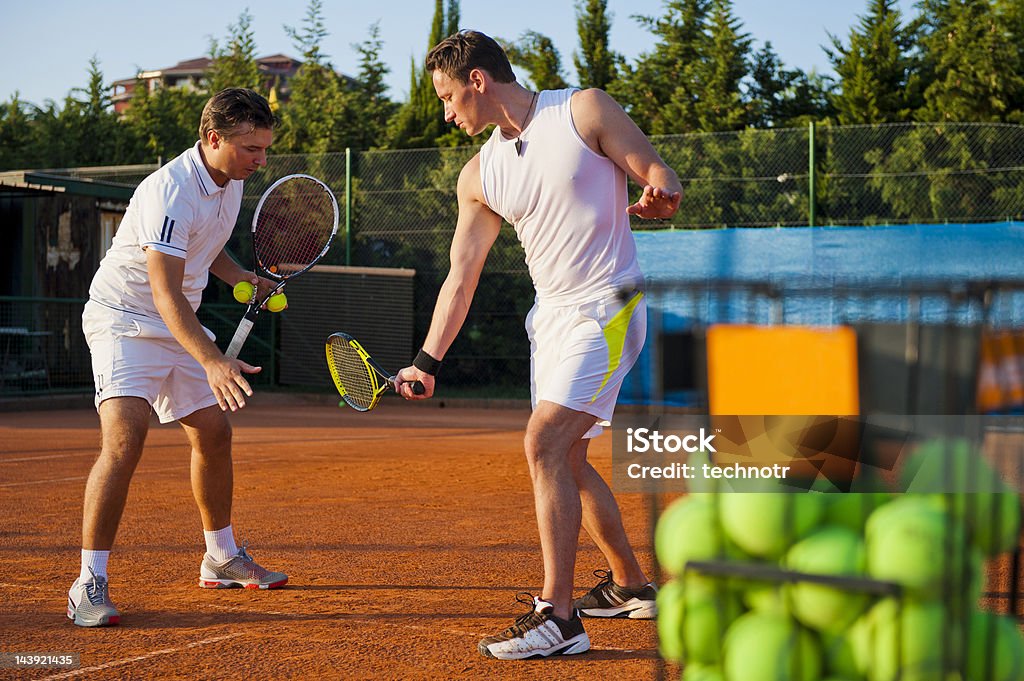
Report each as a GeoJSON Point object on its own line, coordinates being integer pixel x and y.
{"type": "Point", "coordinates": [232, 584]}
{"type": "Point", "coordinates": [574, 646]}
{"type": "Point", "coordinates": [641, 610]}
{"type": "Point", "coordinates": [108, 621]}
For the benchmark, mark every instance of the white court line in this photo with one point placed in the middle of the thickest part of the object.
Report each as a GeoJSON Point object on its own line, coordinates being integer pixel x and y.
{"type": "Point", "coordinates": [155, 653]}
{"type": "Point", "coordinates": [43, 482]}
{"type": "Point", "coordinates": [49, 456]}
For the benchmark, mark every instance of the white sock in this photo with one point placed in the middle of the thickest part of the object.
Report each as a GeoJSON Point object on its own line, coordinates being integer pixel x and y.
{"type": "Point", "coordinates": [94, 560]}
{"type": "Point", "coordinates": [220, 544]}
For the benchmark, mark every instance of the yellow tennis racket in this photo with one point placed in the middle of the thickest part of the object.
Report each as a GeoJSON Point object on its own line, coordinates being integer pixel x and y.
{"type": "Point", "coordinates": [357, 376]}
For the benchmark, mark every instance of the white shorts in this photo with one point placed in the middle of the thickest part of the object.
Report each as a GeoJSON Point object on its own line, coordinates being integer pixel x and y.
{"type": "Point", "coordinates": [136, 356]}
{"type": "Point", "coordinates": [579, 354]}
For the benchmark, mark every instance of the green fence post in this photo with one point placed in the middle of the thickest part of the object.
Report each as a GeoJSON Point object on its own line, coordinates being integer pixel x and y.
{"type": "Point", "coordinates": [348, 205]}
{"type": "Point", "coordinates": [810, 174]}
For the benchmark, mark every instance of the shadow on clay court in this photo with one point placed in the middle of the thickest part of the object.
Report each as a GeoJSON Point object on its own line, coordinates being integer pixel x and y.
{"type": "Point", "coordinates": [162, 619]}
{"type": "Point", "coordinates": [407, 587]}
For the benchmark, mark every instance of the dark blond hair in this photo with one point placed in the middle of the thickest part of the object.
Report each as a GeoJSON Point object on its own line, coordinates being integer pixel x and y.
{"type": "Point", "coordinates": [461, 52]}
{"type": "Point", "coordinates": [236, 111]}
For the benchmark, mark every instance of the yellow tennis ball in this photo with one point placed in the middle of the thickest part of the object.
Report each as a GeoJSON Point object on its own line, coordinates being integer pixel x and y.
{"type": "Point", "coordinates": [243, 291]}
{"type": "Point", "coordinates": [277, 302]}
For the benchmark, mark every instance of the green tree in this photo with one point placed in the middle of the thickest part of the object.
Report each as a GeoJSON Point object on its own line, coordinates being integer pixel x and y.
{"type": "Point", "coordinates": [451, 20]}
{"type": "Point", "coordinates": [723, 64]}
{"type": "Point", "coordinates": [420, 121]}
{"type": "Point", "coordinates": [661, 90]}
{"type": "Point", "coordinates": [163, 123]}
{"type": "Point", "coordinates": [1012, 13]}
{"type": "Point", "coordinates": [877, 72]}
{"type": "Point", "coordinates": [83, 130]}
{"type": "Point", "coordinates": [234, 64]}
{"type": "Point", "coordinates": [17, 148]}
{"type": "Point", "coordinates": [595, 62]}
{"type": "Point", "coordinates": [780, 97]}
{"type": "Point", "coordinates": [369, 95]}
{"type": "Point", "coordinates": [316, 117]}
{"type": "Point", "coordinates": [976, 70]}
{"type": "Point", "coordinates": [538, 55]}
{"type": "Point", "coordinates": [98, 137]}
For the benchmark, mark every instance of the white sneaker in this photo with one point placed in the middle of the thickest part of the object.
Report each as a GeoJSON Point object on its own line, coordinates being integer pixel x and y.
{"type": "Point", "coordinates": [89, 603]}
{"type": "Point", "coordinates": [538, 633]}
{"type": "Point", "coordinates": [238, 570]}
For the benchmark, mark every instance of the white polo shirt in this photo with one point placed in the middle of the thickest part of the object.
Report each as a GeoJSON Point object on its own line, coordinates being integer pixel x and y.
{"type": "Point", "coordinates": [178, 210]}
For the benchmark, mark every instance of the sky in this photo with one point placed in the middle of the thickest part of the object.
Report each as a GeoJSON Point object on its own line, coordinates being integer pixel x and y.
{"type": "Point", "coordinates": [48, 44]}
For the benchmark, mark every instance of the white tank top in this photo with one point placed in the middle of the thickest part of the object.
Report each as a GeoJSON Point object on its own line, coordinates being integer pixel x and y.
{"type": "Point", "coordinates": [567, 204]}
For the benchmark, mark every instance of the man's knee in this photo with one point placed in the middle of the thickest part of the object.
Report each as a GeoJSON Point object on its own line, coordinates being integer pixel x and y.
{"type": "Point", "coordinates": [124, 423]}
{"type": "Point", "coordinates": [208, 428]}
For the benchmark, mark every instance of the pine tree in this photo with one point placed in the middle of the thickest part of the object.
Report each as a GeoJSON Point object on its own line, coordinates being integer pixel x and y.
{"type": "Point", "coordinates": [315, 117]}
{"type": "Point", "coordinates": [976, 69]}
{"type": "Point", "coordinates": [234, 64]}
{"type": "Point", "coordinates": [16, 136]}
{"type": "Point", "coordinates": [537, 54]}
{"type": "Point", "coordinates": [420, 121]}
{"type": "Point", "coordinates": [661, 90]}
{"type": "Point", "coordinates": [95, 137]}
{"type": "Point", "coordinates": [369, 96]}
{"type": "Point", "coordinates": [724, 64]}
{"type": "Point", "coordinates": [1012, 13]}
{"type": "Point", "coordinates": [877, 72]}
{"type": "Point", "coordinates": [595, 62]}
{"type": "Point", "coordinates": [451, 20]}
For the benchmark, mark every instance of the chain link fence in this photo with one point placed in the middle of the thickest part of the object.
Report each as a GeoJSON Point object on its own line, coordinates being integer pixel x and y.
{"type": "Point", "coordinates": [401, 211]}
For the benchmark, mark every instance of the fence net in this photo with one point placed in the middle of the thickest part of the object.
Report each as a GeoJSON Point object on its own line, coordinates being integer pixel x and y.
{"type": "Point", "coordinates": [402, 210]}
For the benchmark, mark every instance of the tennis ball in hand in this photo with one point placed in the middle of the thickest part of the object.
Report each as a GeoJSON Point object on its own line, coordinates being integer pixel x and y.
{"type": "Point", "coordinates": [277, 302]}
{"type": "Point", "coordinates": [243, 291]}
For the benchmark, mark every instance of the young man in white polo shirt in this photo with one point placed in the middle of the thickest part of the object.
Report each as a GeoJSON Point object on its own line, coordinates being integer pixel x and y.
{"type": "Point", "coordinates": [149, 351]}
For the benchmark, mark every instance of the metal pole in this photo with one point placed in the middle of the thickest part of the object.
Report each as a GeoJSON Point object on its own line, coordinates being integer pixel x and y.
{"type": "Point", "coordinates": [348, 205]}
{"type": "Point", "coordinates": [812, 209]}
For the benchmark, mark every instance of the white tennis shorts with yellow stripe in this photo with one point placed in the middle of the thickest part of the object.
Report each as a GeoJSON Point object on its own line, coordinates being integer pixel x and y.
{"type": "Point", "coordinates": [579, 354]}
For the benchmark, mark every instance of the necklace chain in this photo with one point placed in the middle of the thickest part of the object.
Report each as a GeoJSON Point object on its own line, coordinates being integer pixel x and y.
{"type": "Point", "coordinates": [522, 126]}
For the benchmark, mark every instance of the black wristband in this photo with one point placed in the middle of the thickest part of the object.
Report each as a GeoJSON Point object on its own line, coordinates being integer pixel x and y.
{"type": "Point", "coordinates": [426, 363]}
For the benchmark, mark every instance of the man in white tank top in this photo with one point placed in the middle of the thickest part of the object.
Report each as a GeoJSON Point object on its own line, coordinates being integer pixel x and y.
{"type": "Point", "coordinates": [555, 167]}
{"type": "Point", "coordinates": [150, 353]}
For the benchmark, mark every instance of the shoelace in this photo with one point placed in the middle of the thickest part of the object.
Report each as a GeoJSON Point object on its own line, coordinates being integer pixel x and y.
{"type": "Point", "coordinates": [525, 621]}
{"type": "Point", "coordinates": [96, 589]}
{"type": "Point", "coordinates": [243, 553]}
{"type": "Point", "coordinates": [606, 578]}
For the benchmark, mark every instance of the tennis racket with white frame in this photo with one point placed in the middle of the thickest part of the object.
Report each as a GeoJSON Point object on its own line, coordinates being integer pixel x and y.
{"type": "Point", "coordinates": [357, 376]}
{"type": "Point", "coordinates": [293, 226]}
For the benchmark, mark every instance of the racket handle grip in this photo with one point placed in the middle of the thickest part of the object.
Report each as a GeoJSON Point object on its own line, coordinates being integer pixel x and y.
{"type": "Point", "coordinates": [418, 389]}
{"type": "Point", "coordinates": [238, 340]}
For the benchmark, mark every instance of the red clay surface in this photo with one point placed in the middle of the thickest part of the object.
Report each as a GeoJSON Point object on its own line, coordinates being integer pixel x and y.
{"type": "Point", "coordinates": [406, 533]}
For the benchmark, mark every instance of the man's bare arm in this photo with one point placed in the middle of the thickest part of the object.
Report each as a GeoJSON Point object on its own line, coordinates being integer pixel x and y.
{"type": "Point", "coordinates": [475, 233]}
{"type": "Point", "coordinates": [608, 130]}
{"type": "Point", "coordinates": [166, 274]}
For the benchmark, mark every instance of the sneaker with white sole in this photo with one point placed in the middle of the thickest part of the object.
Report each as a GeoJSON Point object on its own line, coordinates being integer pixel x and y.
{"type": "Point", "coordinates": [240, 570]}
{"type": "Point", "coordinates": [89, 603]}
{"type": "Point", "coordinates": [538, 633]}
{"type": "Point", "coordinates": [608, 599]}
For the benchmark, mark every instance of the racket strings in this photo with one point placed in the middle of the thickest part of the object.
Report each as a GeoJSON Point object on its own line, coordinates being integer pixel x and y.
{"type": "Point", "coordinates": [351, 372]}
{"type": "Point", "coordinates": [295, 224]}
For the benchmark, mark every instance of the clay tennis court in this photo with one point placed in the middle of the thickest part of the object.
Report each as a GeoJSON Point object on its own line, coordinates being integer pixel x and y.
{"type": "Point", "coordinates": [406, 534]}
